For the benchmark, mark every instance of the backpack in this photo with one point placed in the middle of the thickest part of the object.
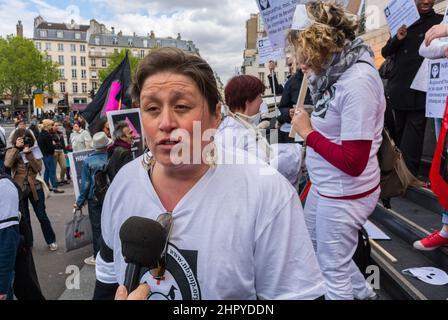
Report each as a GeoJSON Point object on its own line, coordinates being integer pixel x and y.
{"type": "Point", "coordinates": [102, 183]}
{"type": "Point", "coordinates": [387, 69]}
{"type": "Point", "coordinates": [395, 176]}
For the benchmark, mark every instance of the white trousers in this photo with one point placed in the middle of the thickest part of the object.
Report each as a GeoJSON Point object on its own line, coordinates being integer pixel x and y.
{"type": "Point", "coordinates": [333, 226]}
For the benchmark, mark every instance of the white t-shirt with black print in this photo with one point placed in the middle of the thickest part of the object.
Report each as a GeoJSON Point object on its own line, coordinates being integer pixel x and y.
{"type": "Point", "coordinates": [237, 234]}
{"type": "Point", "coordinates": [351, 109]}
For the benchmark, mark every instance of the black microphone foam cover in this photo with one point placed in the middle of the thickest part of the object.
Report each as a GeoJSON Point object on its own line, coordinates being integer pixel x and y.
{"type": "Point", "coordinates": [142, 241]}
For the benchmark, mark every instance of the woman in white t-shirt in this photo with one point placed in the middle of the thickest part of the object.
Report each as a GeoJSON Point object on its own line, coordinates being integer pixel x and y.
{"type": "Point", "coordinates": [343, 138]}
{"type": "Point", "coordinates": [236, 233]}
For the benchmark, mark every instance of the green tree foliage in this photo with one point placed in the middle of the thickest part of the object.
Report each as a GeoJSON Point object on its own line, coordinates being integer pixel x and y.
{"type": "Point", "coordinates": [115, 59]}
{"type": "Point", "coordinates": [23, 69]}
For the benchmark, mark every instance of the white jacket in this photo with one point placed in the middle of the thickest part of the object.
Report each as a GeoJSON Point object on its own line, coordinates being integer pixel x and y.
{"type": "Point", "coordinates": [285, 157]}
{"type": "Point", "coordinates": [81, 140]}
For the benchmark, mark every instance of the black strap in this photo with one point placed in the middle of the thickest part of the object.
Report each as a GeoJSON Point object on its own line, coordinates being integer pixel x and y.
{"type": "Point", "coordinates": [9, 220]}
{"type": "Point", "coordinates": [107, 254]}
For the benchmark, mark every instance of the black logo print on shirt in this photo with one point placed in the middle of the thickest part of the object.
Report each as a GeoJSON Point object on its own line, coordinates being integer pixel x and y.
{"type": "Point", "coordinates": [321, 108]}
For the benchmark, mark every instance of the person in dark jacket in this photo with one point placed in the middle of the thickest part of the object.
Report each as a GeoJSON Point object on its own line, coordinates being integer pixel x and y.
{"type": "Point", "coordinates": [94, 162]}
{"type": "Point", "coordinates": [408, 104]}
{"type": "Point", "coordinates": [288, 102]}
{"type": "Point", "coordinates": [46, 145]}
{"type": "Point", "coordinates": [59, 147]}
{"type": "Point", "coordinates": [273, 81]}
{"type": "Point", "coordinates": [120, 152]}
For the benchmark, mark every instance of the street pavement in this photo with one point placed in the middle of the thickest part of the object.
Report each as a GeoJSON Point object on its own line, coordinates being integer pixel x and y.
{"type": "Point", "coordinates": [55, 268]}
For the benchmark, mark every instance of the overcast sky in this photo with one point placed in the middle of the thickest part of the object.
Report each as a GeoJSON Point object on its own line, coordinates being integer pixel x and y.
{"type": "Point", "coordinates": [217, 27]}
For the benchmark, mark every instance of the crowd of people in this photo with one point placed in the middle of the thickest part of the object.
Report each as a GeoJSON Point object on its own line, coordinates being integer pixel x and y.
{"type": "Point", "coordinates": [237, 229]}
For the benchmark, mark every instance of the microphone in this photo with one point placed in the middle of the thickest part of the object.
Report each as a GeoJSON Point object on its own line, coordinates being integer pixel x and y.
{"type": "Point", "coordinates": [142, 243]}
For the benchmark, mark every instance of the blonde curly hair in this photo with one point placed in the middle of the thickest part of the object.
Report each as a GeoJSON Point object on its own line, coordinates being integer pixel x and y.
{"type": "Point", "coordinates": [315, 45]}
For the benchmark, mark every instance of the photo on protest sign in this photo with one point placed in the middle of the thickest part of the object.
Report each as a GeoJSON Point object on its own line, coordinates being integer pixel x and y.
{"type": "Point", "coordinates": [76, 160]}
{"type": "Point", "coordinates": [400, 12]}
{"type": "Point", "coordinates": [134, 120]}
{"type": "Point", "coordinates": [267, 53]}
{"type": "Point", "coordinates": [437, 88]}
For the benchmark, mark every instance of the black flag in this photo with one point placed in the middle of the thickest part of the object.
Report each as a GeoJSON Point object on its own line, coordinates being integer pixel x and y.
{"type": "Point", "coordinates": [112, 95]}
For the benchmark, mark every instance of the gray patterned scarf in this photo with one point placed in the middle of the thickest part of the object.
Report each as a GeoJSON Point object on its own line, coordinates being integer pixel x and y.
{"type": "Point", "coordinates": [319, 84]}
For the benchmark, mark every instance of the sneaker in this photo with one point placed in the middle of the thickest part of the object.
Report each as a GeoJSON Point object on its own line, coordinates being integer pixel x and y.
{"type": "Point", "coordinates": [53, 246]}
{"type": "Point", "coordinates": [58, 191]}
{"type": "Point", "coordinates": [431, 242]}
{"type": "Point", "coordinates": [90, 260]}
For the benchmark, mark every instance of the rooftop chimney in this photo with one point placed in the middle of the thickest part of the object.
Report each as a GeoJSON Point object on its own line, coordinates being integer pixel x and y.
{"type": "Point", "coordinates": [19, 29]}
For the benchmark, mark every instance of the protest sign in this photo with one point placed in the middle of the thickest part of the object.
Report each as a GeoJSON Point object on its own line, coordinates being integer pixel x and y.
{"type": "Point", "coordinates": [400, 12]}
{"type": "Point", "coordinates": [266, 52]}
{"type": "Point", "coordinates": [277, 18]}
{"type": "Point", "coordinates": [134, 121]}
{"type": "Point", "coordinates": [437, 88]}
{"type": "Point", "coordinates": [278, 15]}
{"type": "Point", "coordinates": [76, 160]}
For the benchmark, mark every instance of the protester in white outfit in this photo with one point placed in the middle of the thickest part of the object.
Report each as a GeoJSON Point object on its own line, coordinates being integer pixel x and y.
{"type": "Point", "coordinates": [435, 46]}
{"type": "Point", "coordinates": [435, 49]}
{"type": "Point", "coordinates": [80, 138]}
{"type": "Point", "coordinates": [239, 128]}
{"type": "Point", "coordinates": [343, 138]}
{"type": "Point", "coordinates": [235, 234]}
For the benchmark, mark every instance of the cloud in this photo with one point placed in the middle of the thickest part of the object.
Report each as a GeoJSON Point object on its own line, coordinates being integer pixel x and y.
{"type": "Point", "coordinates": [216, 27]}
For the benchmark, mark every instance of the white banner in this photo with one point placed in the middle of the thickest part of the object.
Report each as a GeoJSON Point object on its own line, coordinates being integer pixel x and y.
{"type": "Point", "coordinates": [437, 88]}
{"type": "Point", "coordinates": [266, 52]}
{"type": "Point", "coordinates": [400, 12]}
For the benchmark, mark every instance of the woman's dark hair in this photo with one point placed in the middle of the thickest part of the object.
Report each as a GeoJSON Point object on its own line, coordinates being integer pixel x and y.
{"type": "Point", "coordinates": [242, 89]}
{"type": "Point", "coordinates": [179, 62]}
{"type": "Point", "coordinates": [26, 134]}
{"type": "Point", "coordinates": [81, 124]}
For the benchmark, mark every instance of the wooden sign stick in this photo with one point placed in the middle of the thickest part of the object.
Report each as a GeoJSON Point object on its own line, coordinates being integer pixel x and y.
{"type": "Point", "coordinates": [300, 100]}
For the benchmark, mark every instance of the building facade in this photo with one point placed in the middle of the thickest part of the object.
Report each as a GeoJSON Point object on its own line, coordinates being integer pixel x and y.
{"type": "Point", "coordinates": [81, 51]}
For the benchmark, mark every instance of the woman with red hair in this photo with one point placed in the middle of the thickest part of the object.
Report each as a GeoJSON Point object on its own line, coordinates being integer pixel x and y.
{"type": "Point", "coordinates": [239, 130]}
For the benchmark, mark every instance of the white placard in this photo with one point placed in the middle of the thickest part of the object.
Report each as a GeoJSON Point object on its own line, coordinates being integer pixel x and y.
{"type": "Point", "coordinates": [437, 88]}
{"type": "Point", "coordinates": [420, 82]}
{"type": "Point", "coordinates": [374, 232]}
{"type": "Point", "coordinates": [266, 52]}
{"type": "Point", "coordinates": [277, 19]}
{"type": "Point", "coordinates": [76, 160]}
{"type": "Point", "coordinates": [400, 12]}
{"type": "Point", "coordinates": [36, 153]}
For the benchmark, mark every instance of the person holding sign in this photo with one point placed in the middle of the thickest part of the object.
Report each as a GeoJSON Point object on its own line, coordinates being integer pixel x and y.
{"type": "Point", "coordinates": [433, 48]}
{"type": "Point", "coordinates": [409, 104]}
{"type": "Point", "coordinates": [276, 88]}
{"type": "Point", "coordinates": [343, 137]}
